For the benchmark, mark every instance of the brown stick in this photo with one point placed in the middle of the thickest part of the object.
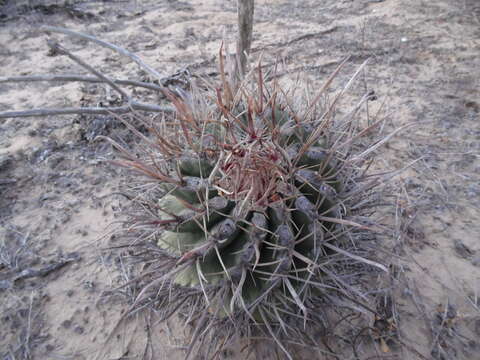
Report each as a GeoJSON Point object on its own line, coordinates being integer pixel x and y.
{"type": "Point", "coordinates": [61, 50]}
{"type": "Point", "coordinates": [108, 45]}
{"type": "Point", "coordinates": [80, 78]}
{"type": "Point", "coordinates": [245, 27]}
{"type": "Point", "coordinates": [306, 36]}
{"type": "Point", "coordinates": [87, 110]}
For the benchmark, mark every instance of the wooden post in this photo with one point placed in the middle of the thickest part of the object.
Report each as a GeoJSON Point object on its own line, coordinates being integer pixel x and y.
{"type": "Point", "coordinates": [245, 27]}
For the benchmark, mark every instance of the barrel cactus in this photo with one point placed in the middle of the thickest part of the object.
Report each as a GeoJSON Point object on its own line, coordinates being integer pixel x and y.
{"type": "Point", "coordinates": [252, 203]}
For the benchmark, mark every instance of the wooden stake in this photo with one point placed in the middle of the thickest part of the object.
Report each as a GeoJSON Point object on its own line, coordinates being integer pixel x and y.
{"type": "Point", "coordinates": [245, 27]}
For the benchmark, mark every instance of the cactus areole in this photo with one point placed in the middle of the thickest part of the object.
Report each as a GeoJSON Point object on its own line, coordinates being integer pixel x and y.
{"type": "Point", "coordinates": [254, 200]}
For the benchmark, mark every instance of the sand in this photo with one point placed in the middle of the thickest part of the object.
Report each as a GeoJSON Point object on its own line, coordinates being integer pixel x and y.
{"type": "Point", "coordinates": [55, 184]}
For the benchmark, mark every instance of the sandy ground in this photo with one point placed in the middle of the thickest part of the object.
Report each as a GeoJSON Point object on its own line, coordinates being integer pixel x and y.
{"type": "Point", "coordinates": [57, 214]}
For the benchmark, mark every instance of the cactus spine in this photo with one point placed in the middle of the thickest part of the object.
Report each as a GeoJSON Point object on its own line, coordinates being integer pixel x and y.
{"type": "Point", "coordinates": [253, 206]}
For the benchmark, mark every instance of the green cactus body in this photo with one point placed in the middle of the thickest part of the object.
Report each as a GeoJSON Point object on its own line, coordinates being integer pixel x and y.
{"type": "Point", "coordinates": [249, 241]}
{"type": "Point", "coordinates": [253, 209]}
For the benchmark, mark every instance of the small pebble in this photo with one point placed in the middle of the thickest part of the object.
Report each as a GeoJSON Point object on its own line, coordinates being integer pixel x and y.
{"type": "Point", "coordinates": [97, 181]}
{"type": "Point", "coordinates": [78, 330]}
{"type": "Point", "coordinates": [67, 324]}
{"type": "Point", "coordinates": [476, 261]}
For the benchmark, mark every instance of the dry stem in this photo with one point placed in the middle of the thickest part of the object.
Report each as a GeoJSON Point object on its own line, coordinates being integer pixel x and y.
{"type": "Point", "coordinates": [108, 45]}
{"type": "Point", "coordinates": [87, 110]}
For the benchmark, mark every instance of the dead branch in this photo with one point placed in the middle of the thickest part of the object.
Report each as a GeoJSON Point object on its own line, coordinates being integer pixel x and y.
{"type": "Point", "coordinates": [44, 271]}
{"type": "Point", "coordinates": [108, 45]}
{"type": "Point", "coordinates": [87, 110]}
{"type": "Point", "coordinates": [132, 105]}
{"type": "Point", "coordinates": [7, 181]}
{"type": "Point", "coordinates": [303, 69]}
{"type": "Point", "coordinates": [79, 78]}
{"type": "Point", "coordinates": [306, 36]}
{"type": "Point", "coordinates": [55, 46]}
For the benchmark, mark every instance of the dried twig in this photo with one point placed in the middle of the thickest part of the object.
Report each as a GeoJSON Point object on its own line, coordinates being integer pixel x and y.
{"type": "Point", "coordinates": [44, 271]}
{"type": "Point", "coordinates": [304, 68]}
{"type": "Point", "coordinates": [80, 78]}
{"type": "Point", "coordinates": [132, 105]}
{"type": "Point", "coordinates": [29, 327]}
{"type": "Point", "coordinates": [55, 46]}
{"type": "Point", "coordinates": [87, 110]}
{"type": "Point", "coordinates": [306, 36]}
{"type": "Point", "coordinates": [7, 181]}
{"type": "Point", "coordinates": [106, 44]}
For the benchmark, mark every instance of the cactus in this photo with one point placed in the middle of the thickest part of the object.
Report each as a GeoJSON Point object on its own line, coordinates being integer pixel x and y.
{"type": "Point", "coordinates": [254, 207]}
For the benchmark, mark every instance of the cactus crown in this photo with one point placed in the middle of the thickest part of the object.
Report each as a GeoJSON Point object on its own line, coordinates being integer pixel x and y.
{"type": "Point", "coordinates": [253, 205]}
